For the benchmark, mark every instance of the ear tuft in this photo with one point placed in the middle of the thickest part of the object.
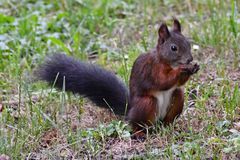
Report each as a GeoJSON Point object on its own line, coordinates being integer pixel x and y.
{"type": "Point", "coordinates": [176, 25]}
{"type": "Point", "coordinates": [163, 33]}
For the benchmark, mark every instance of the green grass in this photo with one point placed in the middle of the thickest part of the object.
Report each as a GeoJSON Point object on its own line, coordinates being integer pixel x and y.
{"type": "Point", "coordinates": [112, 33]}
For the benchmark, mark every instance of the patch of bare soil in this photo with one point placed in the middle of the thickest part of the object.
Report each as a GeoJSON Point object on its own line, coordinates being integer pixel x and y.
{"type": "Point", "coordinates": [93, 116]}
{"type": "Point", "coordinates": [52, 142]}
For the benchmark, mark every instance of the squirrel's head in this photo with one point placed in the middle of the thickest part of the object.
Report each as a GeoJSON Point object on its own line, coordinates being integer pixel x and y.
{"type": "Point", "coordinates": [172, 46]}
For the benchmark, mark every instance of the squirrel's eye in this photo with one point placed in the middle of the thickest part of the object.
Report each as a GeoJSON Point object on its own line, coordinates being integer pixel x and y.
{"type": "Point", "coordinates": [174, 48]}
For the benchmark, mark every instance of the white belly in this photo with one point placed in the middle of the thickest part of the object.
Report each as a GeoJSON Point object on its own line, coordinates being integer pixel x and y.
{"type": "Point", "coordinates": [163, 102]}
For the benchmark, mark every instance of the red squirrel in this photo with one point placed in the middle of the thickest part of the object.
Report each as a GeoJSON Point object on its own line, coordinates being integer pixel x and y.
{"type": "Point", "coordinates": [156, 80]}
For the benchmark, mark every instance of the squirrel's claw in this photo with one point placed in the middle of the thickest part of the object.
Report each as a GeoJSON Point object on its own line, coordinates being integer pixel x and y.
{"type": "Point", "coordinates": [196, 68]}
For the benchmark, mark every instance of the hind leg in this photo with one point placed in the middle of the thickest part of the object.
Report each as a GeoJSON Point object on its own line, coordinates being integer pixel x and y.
{"type": "Point", "coordinates": [142, 113]}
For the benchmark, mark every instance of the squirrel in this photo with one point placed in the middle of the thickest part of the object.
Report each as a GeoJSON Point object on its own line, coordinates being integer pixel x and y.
{"type": "Point", "coordinates": [156, 80]}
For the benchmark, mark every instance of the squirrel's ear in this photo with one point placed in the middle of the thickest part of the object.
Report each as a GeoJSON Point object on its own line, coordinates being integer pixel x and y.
{"type": "Point", "coordinates": [163, 33]}
{"type": "Point", "coordinates": [176, 25]}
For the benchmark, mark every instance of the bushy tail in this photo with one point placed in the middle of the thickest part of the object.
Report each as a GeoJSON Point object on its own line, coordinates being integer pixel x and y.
{"type": "Point", "coordinates": [100, 86]}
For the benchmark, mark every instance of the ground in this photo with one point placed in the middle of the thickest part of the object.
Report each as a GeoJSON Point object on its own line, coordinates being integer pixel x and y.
{"type": "Point", "coordinates": [39, 122]}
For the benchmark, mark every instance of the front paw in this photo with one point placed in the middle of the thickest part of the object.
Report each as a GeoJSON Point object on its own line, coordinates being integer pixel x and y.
{"type": "Point", "coordinates": [189, 69]}
{"type": "Point", "coordinates": [195, 68]}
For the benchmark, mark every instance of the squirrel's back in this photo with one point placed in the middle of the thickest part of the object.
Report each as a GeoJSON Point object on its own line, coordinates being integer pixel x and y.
{"type": "Point", "coordinates": [101, 86]}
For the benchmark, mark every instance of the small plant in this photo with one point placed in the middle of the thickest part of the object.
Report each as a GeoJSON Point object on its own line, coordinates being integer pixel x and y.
{"type": "Point", "coordinates": [230, 99]}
